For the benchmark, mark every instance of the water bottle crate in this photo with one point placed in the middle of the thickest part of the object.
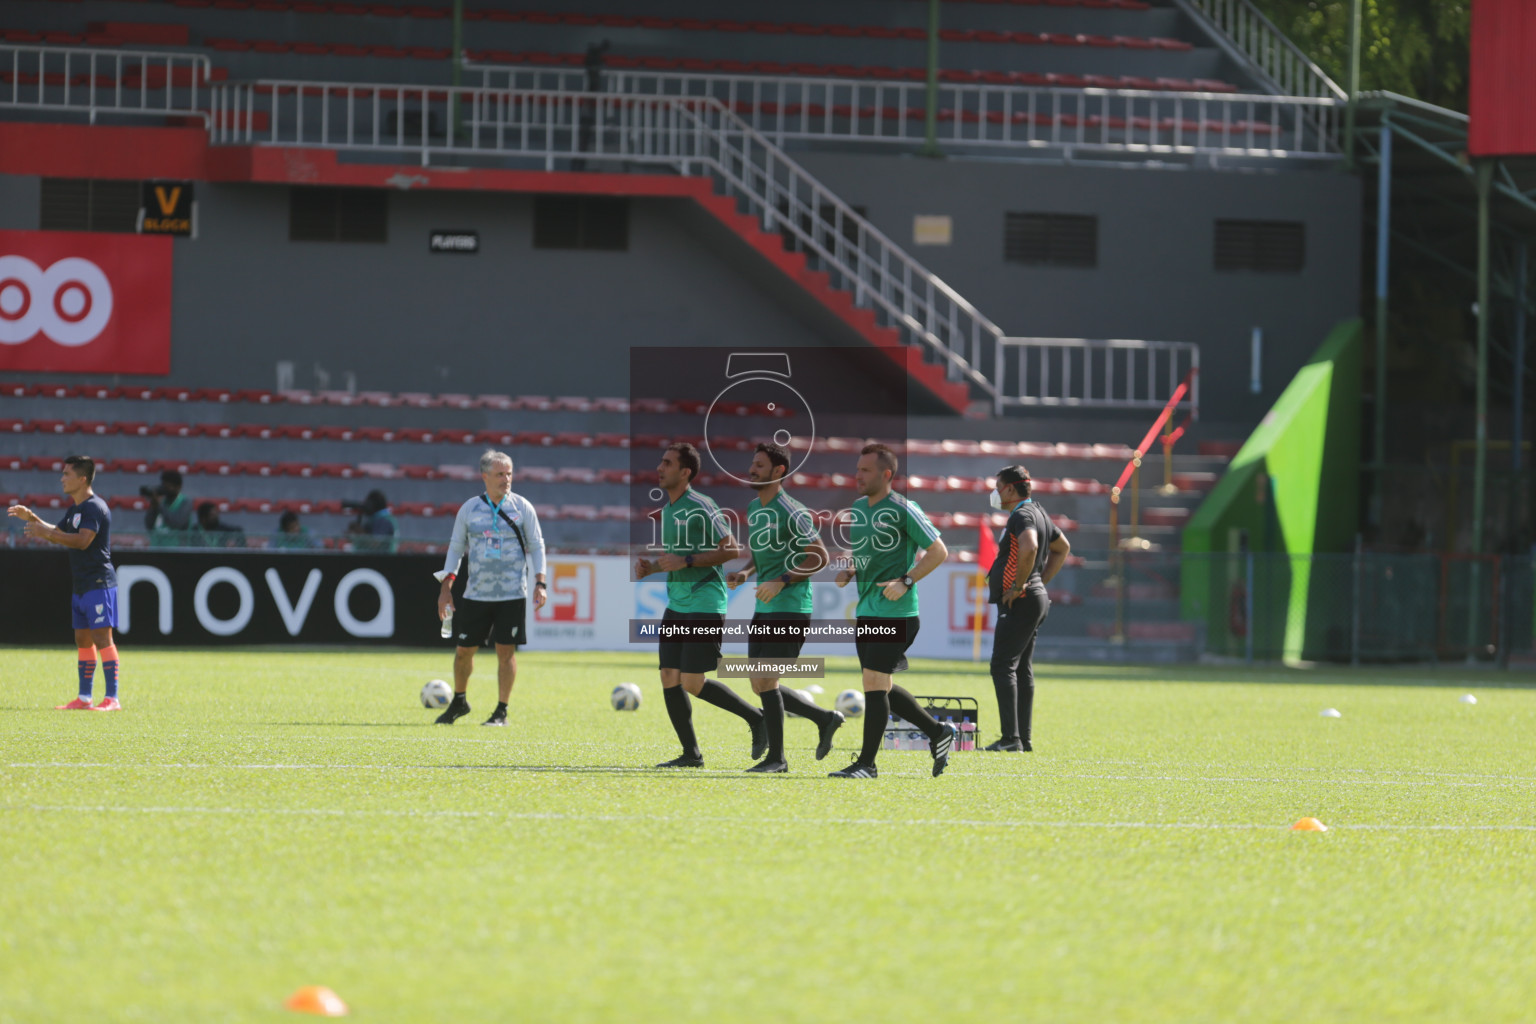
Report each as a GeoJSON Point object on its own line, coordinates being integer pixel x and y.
{"type": "Point", "coordinates": [964, 713]}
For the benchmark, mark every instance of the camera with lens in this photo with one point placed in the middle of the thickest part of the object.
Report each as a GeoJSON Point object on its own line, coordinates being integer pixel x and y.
{"type": "Point", "coordinates": [352, 506]}
{"type": "Point", "coordinates": [149, 492]}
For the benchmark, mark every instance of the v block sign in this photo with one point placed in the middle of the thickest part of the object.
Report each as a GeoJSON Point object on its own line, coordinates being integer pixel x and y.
{"type": "Point", "coordinates": [81, 302]}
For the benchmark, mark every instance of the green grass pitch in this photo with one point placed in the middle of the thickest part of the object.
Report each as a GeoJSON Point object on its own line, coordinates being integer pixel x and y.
{"type": "Point", "coordinates": [257, 821]}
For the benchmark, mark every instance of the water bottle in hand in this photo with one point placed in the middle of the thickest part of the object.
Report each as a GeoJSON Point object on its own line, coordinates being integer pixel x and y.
{"type": "Point", "coordinates": [448, 623]}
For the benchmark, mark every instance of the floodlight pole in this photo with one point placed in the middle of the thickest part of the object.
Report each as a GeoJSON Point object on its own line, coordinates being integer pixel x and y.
{"type": "Point", "coordinates": [1354, 84]}
{"type": "Point", "coordinates": [457, 70]}
{"type": "Point", "coordinates": [1480, 460]}
{"type": "Point", "coordinates": [931, 115]}
{"type": "Point", "coordinates": [1383, 253]}
{"type": "Point", "coordinates": [1517, 431]}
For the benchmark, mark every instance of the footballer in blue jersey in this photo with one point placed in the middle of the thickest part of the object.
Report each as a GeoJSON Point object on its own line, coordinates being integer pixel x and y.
{"type": "Point", "coordinates": [86, 531]}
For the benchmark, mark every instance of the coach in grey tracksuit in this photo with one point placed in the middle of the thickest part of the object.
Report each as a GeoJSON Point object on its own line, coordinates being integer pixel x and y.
{"type": "Point", "coordinates": [499, 532]}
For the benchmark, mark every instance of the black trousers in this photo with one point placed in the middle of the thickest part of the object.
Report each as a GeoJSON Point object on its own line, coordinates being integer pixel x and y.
{"type": "Point", "coordinates": [1013, 651]}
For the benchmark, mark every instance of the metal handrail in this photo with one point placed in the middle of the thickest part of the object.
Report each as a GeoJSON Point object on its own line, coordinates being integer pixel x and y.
{"type": "Point", "coordinates": [1115, 373]}
{"type": "Point", "coordinates": [981, 116]}
{"type": "Point", "coordinates": [687, 134]}
{"type": "Point", "coordinates": [102, 81]}
{"type": "Point", "coordinates": [1267, 48]}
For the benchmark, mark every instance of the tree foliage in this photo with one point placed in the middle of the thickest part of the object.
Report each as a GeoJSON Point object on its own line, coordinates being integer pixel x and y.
{"type": "Point", "coordinates": [1419, 48]}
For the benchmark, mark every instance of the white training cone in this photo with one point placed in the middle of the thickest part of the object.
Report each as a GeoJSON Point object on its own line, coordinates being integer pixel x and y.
{"type": "Point", "coordinates": [1330, 713]}
{"type": "Point", "coordinates": [1467, 698]}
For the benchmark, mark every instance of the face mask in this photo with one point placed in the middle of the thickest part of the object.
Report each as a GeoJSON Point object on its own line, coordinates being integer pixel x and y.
{"type": "Point", "coordinates": [996, 500]}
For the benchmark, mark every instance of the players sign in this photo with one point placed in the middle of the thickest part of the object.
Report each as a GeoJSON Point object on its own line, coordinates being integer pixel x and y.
{"type": "Point", "coordinates": [79, 302]}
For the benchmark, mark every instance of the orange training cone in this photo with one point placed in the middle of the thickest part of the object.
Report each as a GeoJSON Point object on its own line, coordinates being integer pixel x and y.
{"type": "Point", "coordinates": [318, 1000]}
{"type": "Point", "coordinates": [1309, 825]}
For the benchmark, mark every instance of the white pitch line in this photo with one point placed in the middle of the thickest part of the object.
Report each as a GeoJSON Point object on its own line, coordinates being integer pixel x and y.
{"type": "Point", "coordinates": [676, 819]}
{"type": "Point", "coordinates": [1043, 777]}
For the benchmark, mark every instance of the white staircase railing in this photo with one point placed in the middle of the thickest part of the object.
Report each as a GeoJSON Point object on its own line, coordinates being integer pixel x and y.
{"type": "Point", "coordinates": [99, 81]}
{"type": "Point", "coordinates": [1290, 71]}
{"type": "Point", "coordinates": [1113, 374]}
{"type": "Point", "coordinates": [690, 136]}
{"type": "Point", "coordinates": [982, 117]}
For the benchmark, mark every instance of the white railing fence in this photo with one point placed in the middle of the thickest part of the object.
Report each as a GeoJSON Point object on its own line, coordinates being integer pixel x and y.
{"type": "Point", "coordinates": [101, 81]}
{"type": "Point", "coordinates": [1112, 374]}
{"type": "Point", "coordinates": [695, 136]}
{"type": "Point", "coordinates": [978, 116]}
{"type": "Point", "coordinates": [690, 136]}
{"type": "Point", "coordinates": [1268, 49]}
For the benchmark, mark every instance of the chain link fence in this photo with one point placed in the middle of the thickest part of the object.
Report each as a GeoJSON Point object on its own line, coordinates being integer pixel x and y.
{"type": "Point", "coordinates": [1359, 607]}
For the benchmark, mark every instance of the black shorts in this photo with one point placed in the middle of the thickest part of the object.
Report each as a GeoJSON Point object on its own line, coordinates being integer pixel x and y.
{"type": "Point", "coordinates": [504, 622]}
{"type": "Point", "coordinates": [886, 654]}
{"type": "Point", "coordinates": [785, 647]}
{"type": "Point", "coordinates": [694, 656]}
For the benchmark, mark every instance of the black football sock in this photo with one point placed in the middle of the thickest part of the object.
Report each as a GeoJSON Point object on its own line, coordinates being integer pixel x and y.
{"type": "Point", "coordinates": [877, 712]}
{"type": "Point", "coordinates": [773, 717]}
{"type": "Point", "coordinates": [726, 699]}
{"type": "Point", "coordinates": [680, 710]}
{"type": "Point", "coordinates": [906, 706]}
{"type": "Point", "coordinates": [804, 708]}
{"type": "Point", "coordinates": [501, 707]}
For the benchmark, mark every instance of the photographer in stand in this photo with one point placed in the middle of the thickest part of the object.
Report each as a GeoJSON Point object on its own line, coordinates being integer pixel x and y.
{"type": "Point", "coordinates": [374, 528]}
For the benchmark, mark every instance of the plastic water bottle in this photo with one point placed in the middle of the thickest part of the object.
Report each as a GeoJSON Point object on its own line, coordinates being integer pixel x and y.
{"type": "Point", "coordinates": [447, 630]}
{"type": "Point", "coordinates": [967, 734]}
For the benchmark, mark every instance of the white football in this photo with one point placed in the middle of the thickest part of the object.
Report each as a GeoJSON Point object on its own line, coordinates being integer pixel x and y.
{"type": "Point", "coordinates": [625, 697]}
{"type": "Point", "coordinates": [436, 694]}
{"type": "Point", "coordinates": [850, 703]}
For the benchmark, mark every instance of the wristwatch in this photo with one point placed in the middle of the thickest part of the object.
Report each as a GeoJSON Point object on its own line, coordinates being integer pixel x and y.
{"type": "Point", "coordinates": [688, 561]}
{"type": "Point", "coordinates": [906, 581]}
{"type": "Point", "coordinates": [540, 583]}
{"type": "Point", "coordinates": [786, 579]}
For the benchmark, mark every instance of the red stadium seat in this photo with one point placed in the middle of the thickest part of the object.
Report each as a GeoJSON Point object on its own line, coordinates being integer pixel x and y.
{"type": "Point", "coordinates": [37, 501]}
{"type": "Point", "coordinates": [301, 469]}
{"type": "Point", "coordinates": [334, 469]}
{"type": "Point", "coordinates": [211, 467]}
{"type": "Point", "coordinates": [253, 468]}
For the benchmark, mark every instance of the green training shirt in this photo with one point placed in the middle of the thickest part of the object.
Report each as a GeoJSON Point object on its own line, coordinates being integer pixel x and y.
{"type": "Point", "coordinates": [694, 525]}
{"type": "Point", "coordinates": [886, 537]}
{"type": "Point", "coordinates": [777, 533]}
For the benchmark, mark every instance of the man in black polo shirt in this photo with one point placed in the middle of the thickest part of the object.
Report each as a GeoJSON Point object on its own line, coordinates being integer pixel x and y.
{"type": "Point", "coordinates": [1030, 552]}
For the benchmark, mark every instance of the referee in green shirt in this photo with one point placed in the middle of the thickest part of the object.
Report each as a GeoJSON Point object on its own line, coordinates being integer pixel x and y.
{"type": "Point", "coordinates": [786, 552]}
{"type": "Point", "coordinates": [697, 539]}
{"type": "Point", "coordinates": [887, 534]}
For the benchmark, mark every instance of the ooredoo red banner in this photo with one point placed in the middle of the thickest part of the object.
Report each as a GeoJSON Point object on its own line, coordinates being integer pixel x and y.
{"type": "Point", "coordinates": [81, 302]}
